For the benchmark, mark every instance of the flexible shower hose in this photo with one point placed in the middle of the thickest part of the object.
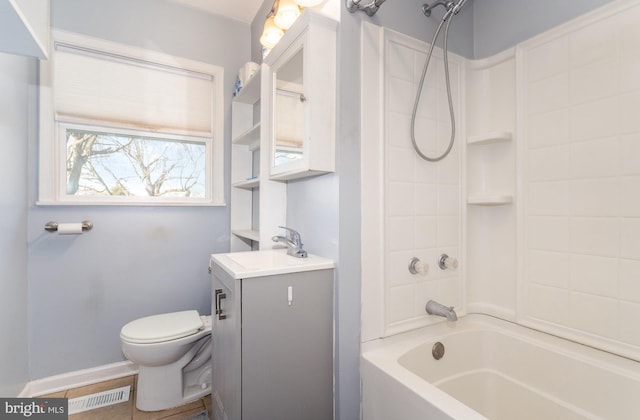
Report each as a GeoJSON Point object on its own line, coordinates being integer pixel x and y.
{"type": "Point", "coordinates": [448, 83]}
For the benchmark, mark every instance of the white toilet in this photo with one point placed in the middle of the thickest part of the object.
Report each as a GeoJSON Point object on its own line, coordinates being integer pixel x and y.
{"type": "Point", "coordinates": [173, 354]}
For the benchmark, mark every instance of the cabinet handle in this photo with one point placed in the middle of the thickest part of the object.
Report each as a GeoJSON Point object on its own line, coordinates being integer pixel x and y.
{"type": "Point", "coordinates": [218, 291]}
{"type": "Point", "coordinates": [219, 297]}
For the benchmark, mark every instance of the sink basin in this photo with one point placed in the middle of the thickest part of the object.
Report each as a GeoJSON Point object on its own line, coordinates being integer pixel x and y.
{"type": "Point", "coordinates": [267, 263]}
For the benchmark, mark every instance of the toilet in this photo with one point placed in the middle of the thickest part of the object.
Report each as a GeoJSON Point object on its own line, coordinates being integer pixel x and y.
{"type": "Point", "coordinates": [173, 354]}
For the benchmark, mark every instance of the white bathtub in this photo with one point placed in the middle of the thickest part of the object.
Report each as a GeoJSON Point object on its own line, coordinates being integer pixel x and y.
{"type": "Point", "coordinates": [497, 370]}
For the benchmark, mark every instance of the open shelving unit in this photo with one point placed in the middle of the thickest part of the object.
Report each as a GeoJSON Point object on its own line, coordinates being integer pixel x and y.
{"type": "Point", "coordinates": [258, 204]}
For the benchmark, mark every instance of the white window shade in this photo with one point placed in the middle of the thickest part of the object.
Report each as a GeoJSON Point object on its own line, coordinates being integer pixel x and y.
{"type": "Point", "coordinates": [122, 91]}
{"type": "Point", "coordinates": [105, 88]}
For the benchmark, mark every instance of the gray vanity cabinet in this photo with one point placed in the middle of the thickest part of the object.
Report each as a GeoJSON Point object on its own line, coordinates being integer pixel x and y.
{"type": "Point", "coordinates": [273, 346]}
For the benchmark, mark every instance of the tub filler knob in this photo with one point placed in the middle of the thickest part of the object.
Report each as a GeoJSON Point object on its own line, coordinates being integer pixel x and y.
{"type": "Point", "coordinates": [418, 267]}
{"type": "Point", "coordinates": [447, 263]}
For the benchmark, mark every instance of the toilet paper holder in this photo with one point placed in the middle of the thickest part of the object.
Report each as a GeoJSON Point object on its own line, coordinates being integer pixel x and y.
{"type": "Point", "coordinates": [53, 226]}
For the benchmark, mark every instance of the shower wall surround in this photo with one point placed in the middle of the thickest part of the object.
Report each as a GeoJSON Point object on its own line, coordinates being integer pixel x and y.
{"type": "Point", "coordinates": [580, 171]}
{"type": "Point", "coordinates": [564, 255]}
{"type": "Point", "coordinates": [418, 203]}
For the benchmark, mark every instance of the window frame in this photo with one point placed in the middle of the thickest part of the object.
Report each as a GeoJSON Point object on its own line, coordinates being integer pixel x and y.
{"type": "Point", "coordinates": [62, 127]}
{"type": "Point", "coordinates": [52, 136]}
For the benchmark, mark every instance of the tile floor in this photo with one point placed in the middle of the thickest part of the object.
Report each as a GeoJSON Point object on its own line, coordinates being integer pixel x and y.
{"type": "Point", "coordinates": [127, 410]}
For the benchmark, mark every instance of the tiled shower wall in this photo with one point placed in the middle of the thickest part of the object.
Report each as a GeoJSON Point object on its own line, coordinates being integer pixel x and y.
{"type": "Point", "coordinates": [422, 199]}
{"type": "Point", "coordinates": [580, 112]}
{"type": "Point", "coordinates": [577, 199]}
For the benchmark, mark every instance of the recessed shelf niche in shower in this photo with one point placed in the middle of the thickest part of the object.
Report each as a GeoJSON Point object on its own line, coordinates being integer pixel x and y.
{"type": "Point", "coordinates": [489, 166]}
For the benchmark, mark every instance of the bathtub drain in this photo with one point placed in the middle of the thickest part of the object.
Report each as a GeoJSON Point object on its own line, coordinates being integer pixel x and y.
{"type": "Point", "coordinates": [438, 350]}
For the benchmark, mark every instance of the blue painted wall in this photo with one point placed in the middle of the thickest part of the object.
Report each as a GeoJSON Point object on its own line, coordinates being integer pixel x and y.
{"type": "Point", "coordinates": [17, 84]}
{"type": "Point", "coordinates": [136, 261]}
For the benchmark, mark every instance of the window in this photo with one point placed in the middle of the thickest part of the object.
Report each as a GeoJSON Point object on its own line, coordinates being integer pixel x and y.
{"type": "Point", "coordinates": [122, 125]}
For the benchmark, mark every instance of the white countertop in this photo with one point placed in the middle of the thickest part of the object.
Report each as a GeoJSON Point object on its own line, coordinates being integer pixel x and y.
{"type": "Point", "coordinates": [241, 265]}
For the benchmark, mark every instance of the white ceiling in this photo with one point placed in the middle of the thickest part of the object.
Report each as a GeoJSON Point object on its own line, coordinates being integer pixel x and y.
{"type": "Point", "coordinates": [242, 10]}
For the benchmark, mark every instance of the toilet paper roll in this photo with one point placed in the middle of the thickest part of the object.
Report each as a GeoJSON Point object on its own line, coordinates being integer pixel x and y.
{"type": "Point", "coordinates": [249, 70]}
{"type": "Point", "coordinates": [69, 228]}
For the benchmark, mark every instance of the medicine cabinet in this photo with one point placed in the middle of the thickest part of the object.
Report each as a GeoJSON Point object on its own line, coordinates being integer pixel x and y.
{"type": "Point", "coordinates": [302, 99]}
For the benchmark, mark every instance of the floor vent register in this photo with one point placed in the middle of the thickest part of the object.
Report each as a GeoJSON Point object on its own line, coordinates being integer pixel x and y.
{"type": "Point", "coordinates": [99, 399]}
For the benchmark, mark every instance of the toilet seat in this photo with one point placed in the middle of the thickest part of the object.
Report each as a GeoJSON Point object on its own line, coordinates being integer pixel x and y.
{"type": "Point", "coordinates": [163, 327]}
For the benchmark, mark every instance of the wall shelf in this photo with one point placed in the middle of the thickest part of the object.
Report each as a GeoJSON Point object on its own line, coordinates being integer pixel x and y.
{"type": "Point", "coordinates": [25, 27]}
{"type": "Point", "coordinates": [252, 235]}
{"type": "Point", "coordinates": [250, 138]}
{"type": "Point", "coordinates": [490, 138]}
{"type": "Point", "coordinates": [248, 184]}
{"type": "Point", "coordinates": [250, 93]}
{"type": "Point", "coordinates": [489, 200]}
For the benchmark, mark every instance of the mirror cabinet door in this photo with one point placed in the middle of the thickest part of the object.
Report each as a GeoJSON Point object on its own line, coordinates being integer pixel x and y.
{"type": "Point", "coordinates": [301, 99]}
{"type": "Point", "coordinates": [289, 111]}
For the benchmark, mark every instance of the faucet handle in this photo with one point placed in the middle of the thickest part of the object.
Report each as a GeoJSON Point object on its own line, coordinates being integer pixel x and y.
{"type": "Point", "coordinates": [293, 235]}
{"type": "Point", "coordinates": [418, 267]}
{"type": "Point", "coordinates": [446, 262]}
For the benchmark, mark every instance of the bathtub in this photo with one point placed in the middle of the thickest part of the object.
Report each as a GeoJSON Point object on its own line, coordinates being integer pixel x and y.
{"type": "Point", "coordinates": [493, 369]}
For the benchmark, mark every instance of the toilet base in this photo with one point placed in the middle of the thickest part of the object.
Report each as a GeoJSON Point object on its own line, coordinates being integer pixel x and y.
{"type": "Point", "coordinates": [160, 388]}
{"type": "Point", "coordinates": [181, 382]}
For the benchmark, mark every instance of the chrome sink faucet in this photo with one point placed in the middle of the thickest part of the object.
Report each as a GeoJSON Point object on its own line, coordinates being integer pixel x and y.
{"type": "Point", "coordinates": [292, 241]}
{"type": "Point", "coordinates": [435, 308]}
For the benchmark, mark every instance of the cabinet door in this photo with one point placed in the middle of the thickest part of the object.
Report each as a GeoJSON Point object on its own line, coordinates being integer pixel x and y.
{"type": "Point", "coordinates": [287, 347]}
{"type": "Point", "coordinates": [226, 347]}
{"type": "Point", "coordinates": [301, 101]}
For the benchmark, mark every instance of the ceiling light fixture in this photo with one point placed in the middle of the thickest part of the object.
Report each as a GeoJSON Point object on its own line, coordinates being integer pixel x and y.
{"type": "Point", "coordinates": [286, 13]}
{"type": "Point", "coordinates": [271, 33]}
{"type": "Point", "coordinates": [309, 3]}
{"type": "Point", "coordinates": [280, 18]}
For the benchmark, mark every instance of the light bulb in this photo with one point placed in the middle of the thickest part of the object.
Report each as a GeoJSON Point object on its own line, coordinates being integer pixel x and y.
{"type": "Point", "coordinates": [309, 3]}
{"type": "Point", "coordinates": [271, 34]}
{"type": "Point", "coordinates": [287, 13]}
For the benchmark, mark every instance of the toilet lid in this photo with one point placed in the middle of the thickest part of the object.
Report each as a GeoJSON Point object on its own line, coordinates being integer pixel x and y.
{"type": "Point", "coordinates": [163, 327]}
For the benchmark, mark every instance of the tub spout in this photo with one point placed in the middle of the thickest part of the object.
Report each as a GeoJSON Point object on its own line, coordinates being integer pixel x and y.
{"type": "Point", "coordinates": [435, 308]}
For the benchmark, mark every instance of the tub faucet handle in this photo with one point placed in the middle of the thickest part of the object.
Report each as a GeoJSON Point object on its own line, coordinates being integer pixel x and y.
{"type": "Point", "coordinates": [418, 267]}
{"type": "Point", "coordinates": [447, 263]}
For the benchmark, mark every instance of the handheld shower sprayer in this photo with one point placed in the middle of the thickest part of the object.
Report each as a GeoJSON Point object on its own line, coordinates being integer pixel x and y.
{"type": "Point", "coordinates": [458, 6]}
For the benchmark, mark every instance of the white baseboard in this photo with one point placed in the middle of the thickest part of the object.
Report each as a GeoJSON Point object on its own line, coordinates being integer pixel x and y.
{"type": "Point", "coordinates": [78, 378]}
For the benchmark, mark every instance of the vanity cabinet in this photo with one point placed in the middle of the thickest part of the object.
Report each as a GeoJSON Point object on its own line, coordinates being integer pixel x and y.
{"type": "Point", "coordinates": [272, 337]}
{"type": "Point", "coordinates": [301, 99]}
